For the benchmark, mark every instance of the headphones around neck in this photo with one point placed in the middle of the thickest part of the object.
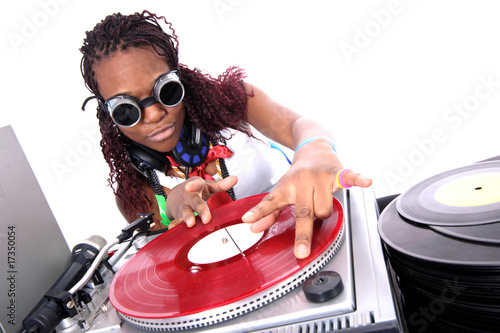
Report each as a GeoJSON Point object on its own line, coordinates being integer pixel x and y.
{"type": "Point", "coordinates": [191, 150]}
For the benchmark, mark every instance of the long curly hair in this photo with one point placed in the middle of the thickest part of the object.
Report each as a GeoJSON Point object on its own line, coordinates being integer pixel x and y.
{"type": "Point", "coordinates": [211, 103]}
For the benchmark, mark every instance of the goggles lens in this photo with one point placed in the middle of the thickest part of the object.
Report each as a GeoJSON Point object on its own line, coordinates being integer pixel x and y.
{"type": "Point", "coordinates": [126, 110]}
{"type": "Point", "coordinates": [171, 93]}
{"type": "Point", "coordinates": [126, 114]}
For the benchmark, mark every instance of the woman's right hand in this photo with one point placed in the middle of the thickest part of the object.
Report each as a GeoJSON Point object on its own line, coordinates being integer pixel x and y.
{"type": "Point", "coordinates": [191, 196]}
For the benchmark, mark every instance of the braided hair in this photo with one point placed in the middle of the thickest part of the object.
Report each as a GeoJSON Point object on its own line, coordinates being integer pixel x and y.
{"type": "Point", "coordinates": [211, 103]}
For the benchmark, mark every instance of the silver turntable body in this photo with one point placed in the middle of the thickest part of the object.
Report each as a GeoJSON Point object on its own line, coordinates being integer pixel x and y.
{"type": "Point", "coordinates": [366, 303]}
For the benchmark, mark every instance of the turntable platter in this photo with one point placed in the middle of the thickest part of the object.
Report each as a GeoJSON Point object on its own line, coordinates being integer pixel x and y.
{"type": "Point", "coordinates": [162, 288]}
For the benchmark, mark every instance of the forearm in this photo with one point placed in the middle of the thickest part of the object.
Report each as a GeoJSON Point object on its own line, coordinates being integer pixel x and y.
{"type": "Point", "coordinates": [304, 129]}
{"type": "Point", "coordinates": [271, 119]}
{"type": "Point", "coordinates": [279, 123]}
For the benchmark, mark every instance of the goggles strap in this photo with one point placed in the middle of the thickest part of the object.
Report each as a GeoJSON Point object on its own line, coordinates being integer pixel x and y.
{"type": "Point", "coordinates": [147, 102]}
{"type": "Point", "coordinates": [90, 98]}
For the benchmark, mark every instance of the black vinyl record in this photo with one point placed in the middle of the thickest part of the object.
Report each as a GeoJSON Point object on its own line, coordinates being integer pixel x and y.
{"type": "Point", "coordinates": [423, 243]}
{"type": "Point", "coordinates": [446, 284]}
{"type": "Point", "coordinates": [461, 197]}
{"type": "Point", "coordinates": [484, 233]}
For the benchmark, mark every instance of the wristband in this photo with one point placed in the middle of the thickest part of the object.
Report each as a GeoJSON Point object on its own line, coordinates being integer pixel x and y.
{"type": "Point", "coordinates": [315, 138]}
{"type": "Point", "coordinates": [162, 203]}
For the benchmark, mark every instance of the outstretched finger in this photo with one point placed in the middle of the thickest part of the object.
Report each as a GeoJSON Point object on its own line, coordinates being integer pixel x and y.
{"type": "Point", "coordinates": [265, 223]}
{"type": "Point", "coordinates": [195, 185]}
{"type": "Point", "coordinates": [304, 219]}
{"type": "Point", "coordinates": [269, 204]}
{"type": "Point", "coordinates": [221, 185]}
{"type": "Point", "coordinates": [347, 178]}
{"type": "Point", "coordinates": [187, 215]}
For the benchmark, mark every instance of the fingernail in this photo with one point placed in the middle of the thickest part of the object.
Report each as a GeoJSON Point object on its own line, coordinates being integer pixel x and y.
{"type": "Point", "coordinates": [301, 250]}
{"type": "Point", "coordinates": [247, 215]}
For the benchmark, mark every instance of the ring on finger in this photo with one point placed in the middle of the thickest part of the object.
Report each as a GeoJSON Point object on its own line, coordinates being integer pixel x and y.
{"type": "Point", "coordinates": [339, 181]}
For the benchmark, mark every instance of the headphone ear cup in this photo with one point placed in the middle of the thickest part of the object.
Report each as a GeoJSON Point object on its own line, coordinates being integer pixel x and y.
{"type": "Point", "coordinates": [142, 157]}
{"type": "Point", "coordinates": [192, 148]}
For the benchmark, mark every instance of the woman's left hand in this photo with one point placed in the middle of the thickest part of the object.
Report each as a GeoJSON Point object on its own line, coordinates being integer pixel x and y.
{"type": "Point", "coordinates": [309, 185]}
{"type": "Point", "coordinates": [191, 196]}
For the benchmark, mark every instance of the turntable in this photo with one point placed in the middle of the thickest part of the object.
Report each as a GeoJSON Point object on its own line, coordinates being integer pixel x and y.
{"type": "Point", "coordinates": [439, 242]}
{"type": "Point", "coordinates": [348, 251]}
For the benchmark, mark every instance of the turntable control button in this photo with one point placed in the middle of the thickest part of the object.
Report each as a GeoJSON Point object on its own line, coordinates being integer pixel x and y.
{"type": "Point", "coordinates": [323, 286]}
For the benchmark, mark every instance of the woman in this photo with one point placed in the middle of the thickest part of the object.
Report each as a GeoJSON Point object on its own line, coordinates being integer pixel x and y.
{"type": "Point", "coordinates": [148, 100]}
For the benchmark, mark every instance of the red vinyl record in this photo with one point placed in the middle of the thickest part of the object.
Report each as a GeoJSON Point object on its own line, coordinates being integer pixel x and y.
{"type": "Point", "coordinates": [162, 286]}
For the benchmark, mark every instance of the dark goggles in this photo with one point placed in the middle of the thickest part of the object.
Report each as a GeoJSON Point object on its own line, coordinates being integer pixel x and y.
{"type": "Point", "coordinates": [126, 110]}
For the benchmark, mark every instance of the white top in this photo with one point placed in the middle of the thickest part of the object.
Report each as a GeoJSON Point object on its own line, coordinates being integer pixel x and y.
{"type": "Point", "coordinates": [257, 165]}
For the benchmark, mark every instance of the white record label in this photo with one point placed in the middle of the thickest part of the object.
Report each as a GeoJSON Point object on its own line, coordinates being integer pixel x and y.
{"type": "Point", "coordinates": [223, 244]}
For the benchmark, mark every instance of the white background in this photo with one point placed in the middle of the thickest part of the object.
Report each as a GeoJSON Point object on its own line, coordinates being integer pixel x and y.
{"type": "Point", "coordinates": [403, 85]}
